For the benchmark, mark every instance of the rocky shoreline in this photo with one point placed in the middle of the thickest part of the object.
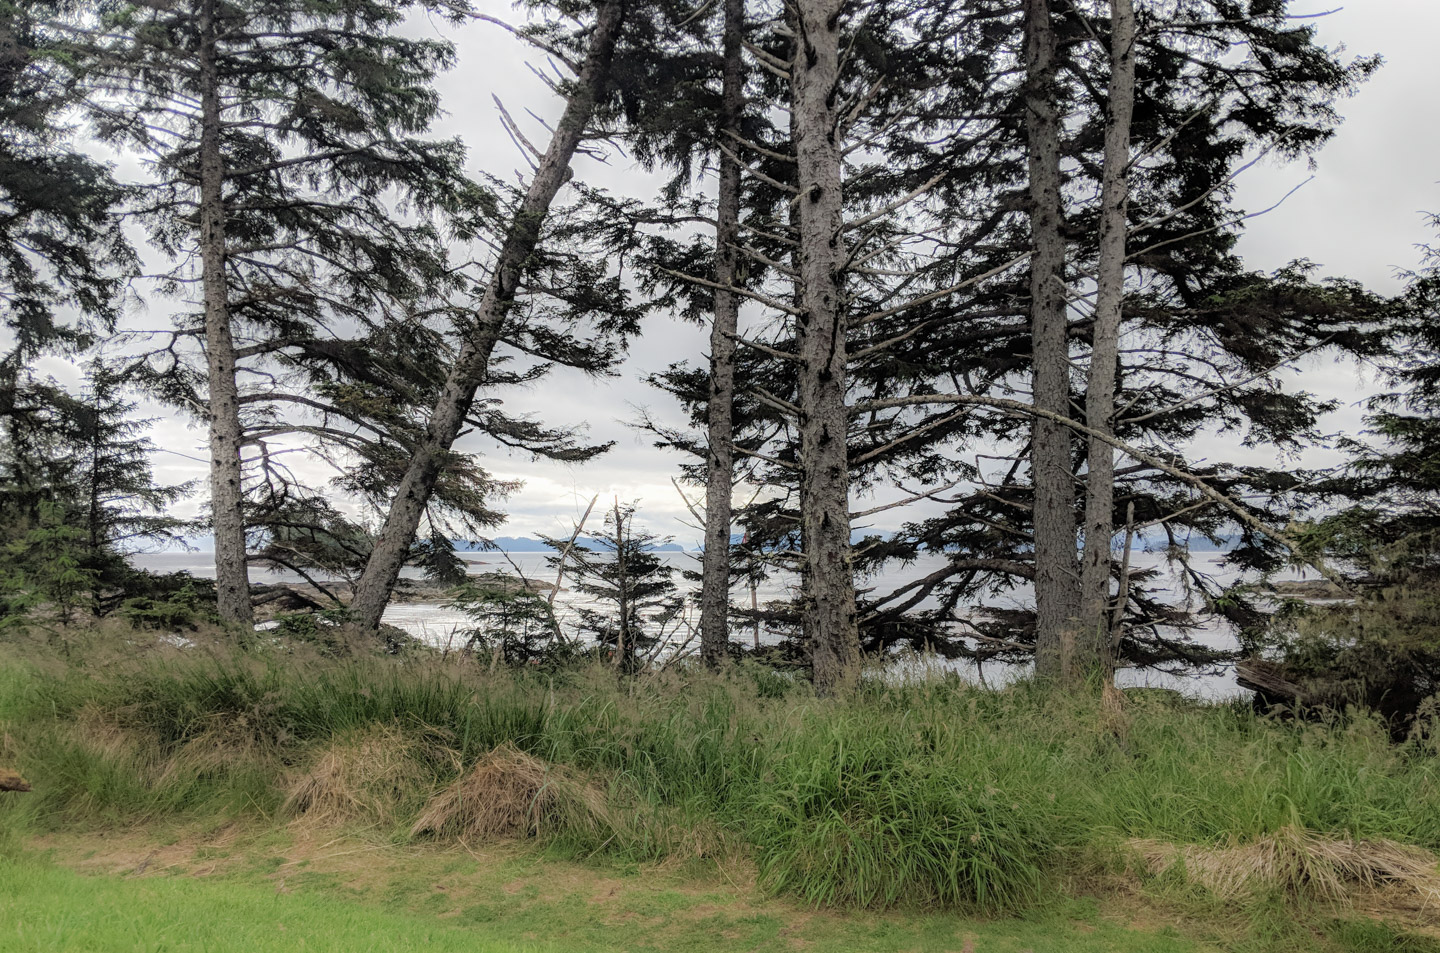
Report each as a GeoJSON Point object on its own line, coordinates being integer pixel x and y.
{"type": "Point", "coordinates": [1309, 589]}
{"type": "Point", "coordinates": [329, 594]}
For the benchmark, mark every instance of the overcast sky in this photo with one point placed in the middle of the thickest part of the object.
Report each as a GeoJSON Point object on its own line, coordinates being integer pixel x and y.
{"type": "Point", "coordinates": [1361, 217]}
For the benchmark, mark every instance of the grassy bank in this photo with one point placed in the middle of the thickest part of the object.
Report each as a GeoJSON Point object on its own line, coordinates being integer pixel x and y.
{"type": "Point", "coordinates": [929, 795]}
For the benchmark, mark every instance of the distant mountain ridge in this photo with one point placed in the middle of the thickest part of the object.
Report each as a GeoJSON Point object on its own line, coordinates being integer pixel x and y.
{"type": "Point", "coordinates": [204, 543]}
{"type": "Point", "coordinates": [527, 544]}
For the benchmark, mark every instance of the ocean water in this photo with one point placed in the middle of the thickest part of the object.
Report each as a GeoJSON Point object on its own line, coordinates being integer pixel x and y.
{"type": "Point", "coordinates": [443, 626]}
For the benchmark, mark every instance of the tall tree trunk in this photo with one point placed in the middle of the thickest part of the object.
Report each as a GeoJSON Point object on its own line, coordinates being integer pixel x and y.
{"type": "Point", "coordinates": [1095, 641]}
{"type": "Point", "coordinates": [1057, 575]}
{"type": "Point", "coordinates": [830, 619]}
{"type": "Point", "coordinates": [720, 460]}
{"type": "Point", "coordinates": [623, 636]}
{"type": "Point", "coordinates": [428, 457]}
{"type": "Point", "coordinates": [93, 535]}
{"type": "Point", "coordinates": [232, 579]}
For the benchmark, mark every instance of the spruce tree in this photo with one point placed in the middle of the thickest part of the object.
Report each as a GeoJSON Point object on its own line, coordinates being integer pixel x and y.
{"type": "Point", "coordinates": [720, 401]}
{"type": "Point", "coordinates": [78, 491]}
{"type": "Point", "coordinates": [122, 509]}
{"type": "Point", "coordinates": [1381, 519]}
{"type": "Point", "coordinates": [1094, 635]}
{"type": "Point", "coordinates": [940, 327]}
{"type": "Point", "coordinates": [628, 583]}
{"type": "Point", "coordinates": [61, 245]}
{"type": "Point", "coordinates": [283, 135]}
{"type": "Point", "coordinates": [493, 319]}
{"type": "Point", "coordinates": [1057, 571]}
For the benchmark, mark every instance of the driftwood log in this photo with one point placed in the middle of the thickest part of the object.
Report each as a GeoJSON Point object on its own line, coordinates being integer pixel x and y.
{"type": "Point", "coordinates": [1396, 701]}
{"type": "Point", "coordinates": [11, 781]}
{"type": "Point", "coordinates": [1268, 679]}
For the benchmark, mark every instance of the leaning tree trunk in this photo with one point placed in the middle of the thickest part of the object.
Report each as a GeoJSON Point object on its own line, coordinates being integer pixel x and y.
{"type": "Point", "coordinates": [829, 616]}
{"type": "Point", "coordinates": [232, 580]}
{"type": "Point", "coordinates": [1057, 577]}
{"type": "Point", "coordinates": [720, 458]}
{"type": "Point", "coordinates": [1095, 638]}
{"type": "Point", "coordinates": [428, 456]}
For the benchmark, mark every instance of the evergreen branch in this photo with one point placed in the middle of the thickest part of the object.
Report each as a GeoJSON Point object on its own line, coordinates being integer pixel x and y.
{"type": "Point", "coordinates": [764, 348]}
{"type": "Point", "coordinates": [899, 203]}
{"type": "Point", "coordinates": [784, 406]}
{"type": "Point", "coordinates": [937, 295]}
{"type": "Point", "coordinates": [913, 498]}
{"type": "Point", "coordinates": [923, 429]}
{"type": "Point", "coordinates": [756, 147]}
{"type": "Point", "coordinates": [768, 459]}
{"type": "Point", "coordinates": [768, 180]}
{"type": "Point", "coordinates": [1227, 503]}
{"type": "Point", "coordinates": [754, 296]}
{"type": "Point", "coordinates": [1224, 388]}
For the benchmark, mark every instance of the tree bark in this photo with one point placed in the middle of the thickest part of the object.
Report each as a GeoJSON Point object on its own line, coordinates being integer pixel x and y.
{"type": "Point", "coordinates": [623, 636]}
{"type": "Point", "coordinates": [1057, 576]}
{"type": "Point", "coordinates": [392, 547]}
{"type": "Point", "coordinates": [232, 579]}
{"type": "Point", "coordinates": [1095, 571]}
{"type": "Point", "coordinates": [720, 459]}
{"type": "Point", "coordinates": [829, 616]}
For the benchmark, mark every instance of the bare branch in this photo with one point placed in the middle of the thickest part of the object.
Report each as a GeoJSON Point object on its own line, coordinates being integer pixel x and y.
{"type": "Point", "coordinates": [768, 459]}
{"type": "Point", "coordinates": [913, 498]}
{"type": "Point", "coordinates": [771, 64]}
{"type": "Point", "coordinates": [1244, 516]}
{"type": "Point", "coordinates": [756, 147]}
{"type": "Point", "coordinates": [943, 292]}
{"type": "Point", "coordinates": [902, 201]}
{"type": "Point", "coordinates": [518, 137]}
{"type": "Point", "coordinates": [768, 180]}
{"type": "Point", "coordinates": [784, 406]}
{"type": "Point", "coordinates": [706, 282]}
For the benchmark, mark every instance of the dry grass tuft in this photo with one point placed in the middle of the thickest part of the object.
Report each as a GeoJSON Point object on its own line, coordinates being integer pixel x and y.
{"type": "Point", "coordinates": [216, 749]}
{"type": "Point", "coordinates": [9, 748]}
{"type": "Point", "coordinates": [694, 842]}
{"type": "Point", "coordinates": [509, 794]}
{"type": "Point", "coordinates": [101, 733]}
{"type": "Point", "coordinates": [363, 778]}
{"type": "Point", "coordinates": [1297, 861]}
{"type": "Point", "coordinates": [10, 779]}
{"type": "Point", "coordinates": [1113, 715]}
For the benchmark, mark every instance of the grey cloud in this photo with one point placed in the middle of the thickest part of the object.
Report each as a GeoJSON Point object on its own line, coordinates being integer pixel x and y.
{"type": "Point", "coordinates": [1359, 218]}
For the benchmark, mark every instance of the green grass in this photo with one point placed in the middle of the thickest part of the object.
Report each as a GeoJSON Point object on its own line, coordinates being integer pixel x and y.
{"type": "Point", "coordinates": [44, 909]}
{"type": "Point", "coordinates": [47, 908]}
{"type": "Point", "coordinates": [392, 899]}
{"type": "Point", "coordinates": [933, 795]}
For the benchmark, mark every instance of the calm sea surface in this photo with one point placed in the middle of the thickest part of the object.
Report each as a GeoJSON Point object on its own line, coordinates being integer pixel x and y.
{"type": "Point", "coordinates": [441, 625]}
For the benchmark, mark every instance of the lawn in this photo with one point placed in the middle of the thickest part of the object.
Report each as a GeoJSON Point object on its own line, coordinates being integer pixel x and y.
{"type": "Point", "coordinates": [351, 896]}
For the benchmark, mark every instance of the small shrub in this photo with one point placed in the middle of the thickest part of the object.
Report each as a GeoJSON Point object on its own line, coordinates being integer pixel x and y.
{"type": "Point", "coordinates": [861, 821]}
{"type": "Point", "coordinates": [170, 603]}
